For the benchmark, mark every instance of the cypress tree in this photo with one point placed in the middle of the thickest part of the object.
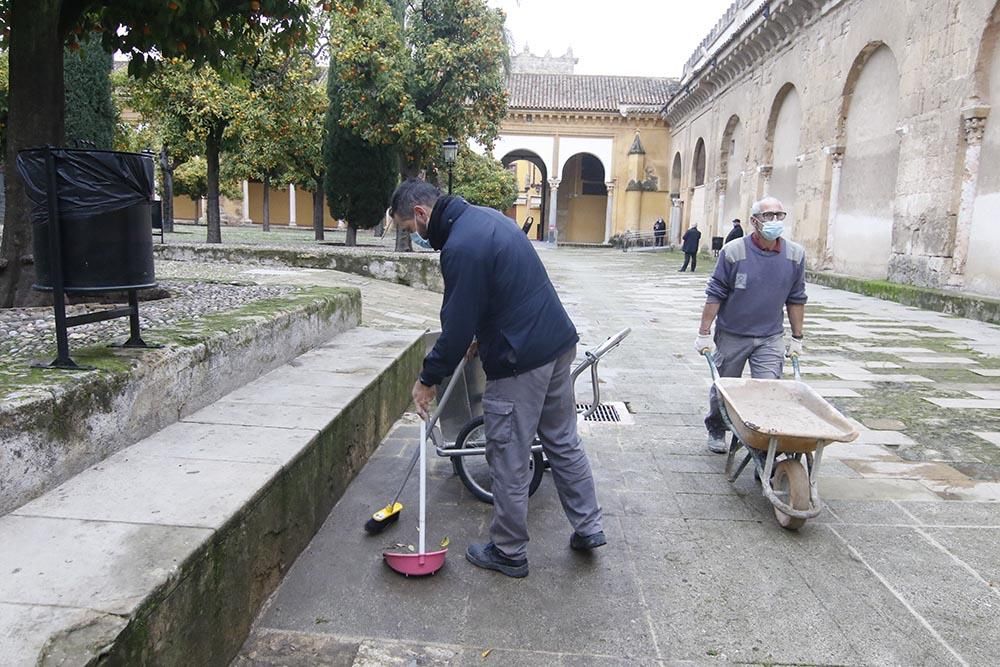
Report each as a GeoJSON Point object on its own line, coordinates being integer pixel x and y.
{"type": "Point", "coordinates": [90, 111]}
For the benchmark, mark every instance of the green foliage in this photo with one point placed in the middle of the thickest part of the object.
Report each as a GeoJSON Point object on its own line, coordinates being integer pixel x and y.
{"type": "Point", "coordinates": [90, 114]}
{"type": "Point", "coordinates": [440, 74]}
{"type": "Point", "coordinates": [191, 179]}
{"type": "Point", "coordinates": [484, 181]}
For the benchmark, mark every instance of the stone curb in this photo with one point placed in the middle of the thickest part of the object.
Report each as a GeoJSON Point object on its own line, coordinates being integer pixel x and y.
{"type": "Point", "coordinates": [970, 306]}
{"type": "Point", "coordinates": [56, 424]}
{"type": "Point", "coordinates": [421, 270]}
{"type": "Point", "coordinates": [200, 596]}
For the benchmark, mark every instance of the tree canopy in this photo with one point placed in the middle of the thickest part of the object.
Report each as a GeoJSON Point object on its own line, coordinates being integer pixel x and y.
{"type": "Point", "coordinates": [90, 112]}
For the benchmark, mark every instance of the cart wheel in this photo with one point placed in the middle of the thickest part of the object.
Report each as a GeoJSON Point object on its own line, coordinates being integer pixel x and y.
{"type": "Point", "coordinates": [791, 484]}
{"type": "Point", "coordinates": [475, 472]}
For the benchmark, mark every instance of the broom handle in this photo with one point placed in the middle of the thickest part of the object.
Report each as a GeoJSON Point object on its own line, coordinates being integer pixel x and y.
{"type": "Point", "coordinates": [423, 484]}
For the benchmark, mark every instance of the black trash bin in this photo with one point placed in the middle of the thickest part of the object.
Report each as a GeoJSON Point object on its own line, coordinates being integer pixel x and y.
{"type": "Point", "coordinates": [717, 242]}
{"type": "Point", "coordinates": [105, 210]}
{"type": "Point", "coordinates": [92, 224]}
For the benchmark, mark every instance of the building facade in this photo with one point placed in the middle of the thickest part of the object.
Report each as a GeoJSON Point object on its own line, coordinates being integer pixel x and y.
{"type": "Point", "coordinates": [869, 119]}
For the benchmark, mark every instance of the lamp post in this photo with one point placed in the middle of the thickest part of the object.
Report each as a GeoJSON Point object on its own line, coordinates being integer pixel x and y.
{"type": "Point", "coordinates": [449, 149]}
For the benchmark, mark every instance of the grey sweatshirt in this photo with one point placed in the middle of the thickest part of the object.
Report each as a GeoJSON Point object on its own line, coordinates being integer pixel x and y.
{"type": "Point", "coordinates": [753, 286]}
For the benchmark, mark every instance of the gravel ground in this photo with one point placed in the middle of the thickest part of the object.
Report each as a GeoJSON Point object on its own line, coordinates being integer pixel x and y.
{"type": "Point", "coordinates": [26, 334]}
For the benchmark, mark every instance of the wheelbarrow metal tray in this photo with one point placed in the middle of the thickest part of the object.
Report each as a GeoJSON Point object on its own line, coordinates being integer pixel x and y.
{"type": "Point", "coordinates": [787, 409]}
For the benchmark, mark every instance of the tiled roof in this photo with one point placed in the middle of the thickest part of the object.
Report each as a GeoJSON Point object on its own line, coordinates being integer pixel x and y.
{"type": "Point", "coordinates": [586, 92]}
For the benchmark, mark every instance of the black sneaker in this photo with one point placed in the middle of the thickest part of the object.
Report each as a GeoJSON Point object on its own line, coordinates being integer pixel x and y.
{"type": "Point", "coordinates": [586, 543]}
{"type": "Point", "coordinates": [489, 557]}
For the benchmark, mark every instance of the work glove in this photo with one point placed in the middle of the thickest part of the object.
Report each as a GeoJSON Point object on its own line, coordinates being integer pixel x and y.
{"type": "Point", "coordinates": [704, 342]}
{"type": "Point", "coordinates": [793, 348]}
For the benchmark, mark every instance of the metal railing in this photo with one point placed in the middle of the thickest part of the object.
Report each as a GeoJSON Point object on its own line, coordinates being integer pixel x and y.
{"type": "Point", "coordinates": [642, 240]}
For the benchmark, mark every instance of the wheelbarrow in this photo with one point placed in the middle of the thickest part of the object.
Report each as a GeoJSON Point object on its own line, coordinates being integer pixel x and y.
{"type": "Point", "coordinates": [784, 426]}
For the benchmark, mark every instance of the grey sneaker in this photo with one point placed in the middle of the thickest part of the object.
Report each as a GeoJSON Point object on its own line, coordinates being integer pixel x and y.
{"type": "Point", "coordinates": [717, 444]}
{"type": "Point", "coordinates": [587, 542]}
{"type": "Point", "coordinates": [489, 557]}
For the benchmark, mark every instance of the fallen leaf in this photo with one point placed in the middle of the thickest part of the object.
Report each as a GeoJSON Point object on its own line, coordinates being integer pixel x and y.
{"type": "Point", "coordinates": [410, 547]}
{"type": "Point", "coordinates": [486, 653]}
{"type": "Point", "coordinates": [445, 542]}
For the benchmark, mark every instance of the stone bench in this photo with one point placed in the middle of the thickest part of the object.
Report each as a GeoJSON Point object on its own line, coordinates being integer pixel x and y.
{"type": "Point", "coordinates": [164, 552]}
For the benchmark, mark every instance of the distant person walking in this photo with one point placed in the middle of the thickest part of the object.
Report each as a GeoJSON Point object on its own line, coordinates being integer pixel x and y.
{"type": "Point", "coordinates": [691, 241]}
{"type": "Point", "coordinates": [736, 232]}
{"type": "Point", "coordinates": [659, 231]}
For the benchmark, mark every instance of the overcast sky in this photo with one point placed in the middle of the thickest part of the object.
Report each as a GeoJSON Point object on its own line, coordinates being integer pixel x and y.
{"type": "Point", "coordinates": [638, 37]}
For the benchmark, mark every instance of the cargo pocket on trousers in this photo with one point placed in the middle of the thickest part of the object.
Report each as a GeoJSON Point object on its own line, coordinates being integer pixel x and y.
{"type": "Point", "coordinates": [498, 418]}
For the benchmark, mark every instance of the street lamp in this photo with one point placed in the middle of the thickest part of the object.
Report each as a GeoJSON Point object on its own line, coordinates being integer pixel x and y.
{"type": "Point", "coordinates": [449, 149]}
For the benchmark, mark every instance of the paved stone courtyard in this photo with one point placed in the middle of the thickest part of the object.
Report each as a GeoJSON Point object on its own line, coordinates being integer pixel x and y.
{"type": "Point", "coordinates": [902, 568]}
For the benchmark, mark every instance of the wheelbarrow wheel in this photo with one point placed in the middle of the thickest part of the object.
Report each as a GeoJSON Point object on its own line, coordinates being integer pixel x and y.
{"type": "Point", "coordinates": [791, 484]}
{"type": "Point", "coordinates": [475, 472]}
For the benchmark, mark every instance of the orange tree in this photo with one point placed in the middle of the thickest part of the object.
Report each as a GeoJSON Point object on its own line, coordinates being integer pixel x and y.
{"type": "Point", "coordinates": [36, 31]}
{"type": "Point", "coordinates": [410, 73]}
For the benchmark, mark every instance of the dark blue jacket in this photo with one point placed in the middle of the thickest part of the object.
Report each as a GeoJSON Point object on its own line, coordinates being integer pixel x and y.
{"type": "Point", "coordinates": [496, 289]}
{"type": "Point", "coordinates": [692, 238]}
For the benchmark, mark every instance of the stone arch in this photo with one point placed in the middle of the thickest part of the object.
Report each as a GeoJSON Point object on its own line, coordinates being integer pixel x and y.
{"type": "Point", "coordinates": [583, 195]}
{"type": "Point", "coordinates": [698, 164]}
{"type": "Point", "coordinates": [731, 163]}
{"type": "Point", "coordinates": [862, 235]}
{"type": "Point", "coordinates": [675, 176]}
{"type": "Point", "coordinates": [981, 270]}
{"type": "Point", "coordinates": [529, 193]}
{"type": "Point", "coordinates": [781, 153]}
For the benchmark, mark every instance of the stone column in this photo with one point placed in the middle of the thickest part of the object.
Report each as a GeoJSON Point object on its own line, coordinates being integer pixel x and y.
{"type": "Point", "coordinates": [553, 233]}
{"type": "Point", "coordinates": [836, 154]}
{"type": "Point", "coordinates": [246, 202]}
{"type": "Point", "coordinates": [291, 205]}
{"type": "Point", "coordinates": [765, 178]}
{"type": "Point", "coordinates": [610, 211]}
{"type": "Point", "coordinates": [676, 217]}
{"type": "Point", "coordinates": [720, 189]}
{"type": "Point", "coordinates": [974, 124]}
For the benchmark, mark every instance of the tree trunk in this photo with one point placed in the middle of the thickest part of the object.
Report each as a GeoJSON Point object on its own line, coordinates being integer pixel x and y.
{"type": "Point", "coordinates": [352, 235]}
{"type": "Point", "coordinates": [267, 204]}
{"type": "Point", "coordinates": [318, 208]}
{"type": "Point", "coordinates": [167, 173]}
{"type": "Point", "coordinates": [212, 216]}
{"type": "Point", "coordinates": [35, 118]}
{"type": "Point", "coordinates": [407, 170]}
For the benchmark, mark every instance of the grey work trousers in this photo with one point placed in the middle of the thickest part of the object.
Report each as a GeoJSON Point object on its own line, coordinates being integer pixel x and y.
{"type": "Point", "coordinates": [539, 401]}
{"type": "Point", "coordinates": [732, 352]}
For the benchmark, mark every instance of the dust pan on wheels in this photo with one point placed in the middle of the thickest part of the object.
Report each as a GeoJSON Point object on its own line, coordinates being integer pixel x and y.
{"type": "Point", "coordinates": [421, 563]}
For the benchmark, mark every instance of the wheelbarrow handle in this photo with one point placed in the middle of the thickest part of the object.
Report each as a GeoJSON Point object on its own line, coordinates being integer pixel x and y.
{"type": "Point", "coordinates": [796, 369]}
{"type": "Point", "coordinates": [443, 401]}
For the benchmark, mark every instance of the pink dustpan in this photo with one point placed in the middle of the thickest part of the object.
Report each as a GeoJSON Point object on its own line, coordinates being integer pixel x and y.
{"type": "Point", "coordinates": [416, 565]}
{"type": "Point", "coordinates": [421, 563]}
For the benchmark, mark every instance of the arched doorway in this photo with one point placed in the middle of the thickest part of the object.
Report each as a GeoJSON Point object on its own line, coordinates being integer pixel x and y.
{"type": "Point", "coordinates": [732, 157]}
{"type": "Point", "coordinates": [583, 199]}
{"type": "Point", "coordinates": [532, 191]}
{"type": "Point", "coordinates": [677, 204]}
{"type": "Point", "coordinates": [698, 189]}
{"type": "Point", "coordinates": [784, 129]}
{"type": "Point", "coordinates": [982, 271]}
{"type": "Point", "coordinates": [862, 234]}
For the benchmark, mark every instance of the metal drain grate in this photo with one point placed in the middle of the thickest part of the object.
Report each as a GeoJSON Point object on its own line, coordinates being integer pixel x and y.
{"type": "Point", "coordinates": [605, 412]}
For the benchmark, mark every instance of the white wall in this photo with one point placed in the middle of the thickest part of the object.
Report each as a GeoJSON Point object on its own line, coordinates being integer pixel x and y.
{"type": "Point", "coordinates": [982, 268]}
{"type": "Point", "coordinates": [784, 165]}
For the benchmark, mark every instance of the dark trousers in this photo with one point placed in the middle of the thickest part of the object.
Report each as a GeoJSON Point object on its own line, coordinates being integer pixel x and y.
{"type": "Point", "coordinates": [659, 240]}
{"type": "Point", "coordinates": [693, 257]}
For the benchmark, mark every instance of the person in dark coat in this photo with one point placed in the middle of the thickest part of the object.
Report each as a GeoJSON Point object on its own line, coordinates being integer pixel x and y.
{"type": "Point", "coordinates": [736, 232]}
{"type": "Point", "coordinates": [659, 231]}
{"type": "Point", "coordinates": [500, 303]}
{"type": "Point", "coordinates": [690, 243]}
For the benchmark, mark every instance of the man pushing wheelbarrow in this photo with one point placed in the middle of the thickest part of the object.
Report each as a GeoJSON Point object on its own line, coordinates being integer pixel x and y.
{"type": "Point", "coordinates": [497, 292]}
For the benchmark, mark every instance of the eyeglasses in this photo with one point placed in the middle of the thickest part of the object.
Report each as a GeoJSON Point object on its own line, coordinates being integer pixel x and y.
{"type": "Point", "coordinates": [771, 216]}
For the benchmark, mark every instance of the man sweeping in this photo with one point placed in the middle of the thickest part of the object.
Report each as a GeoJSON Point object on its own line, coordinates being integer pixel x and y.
{"type": "Point", "coordinates": [498, 294]}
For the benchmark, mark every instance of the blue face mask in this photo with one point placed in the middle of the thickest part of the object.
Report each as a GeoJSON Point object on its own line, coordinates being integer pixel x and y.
{"type": "Point", "coordinates": [420, 241]}
{"type": "Point", "coordinates": [772, 230]}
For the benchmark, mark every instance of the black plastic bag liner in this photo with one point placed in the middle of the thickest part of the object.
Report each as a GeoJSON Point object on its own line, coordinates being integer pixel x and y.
{"type": "Point", "coordinates": [105, 223]}
{"type": "Point", "coordinates": [89, 181]}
